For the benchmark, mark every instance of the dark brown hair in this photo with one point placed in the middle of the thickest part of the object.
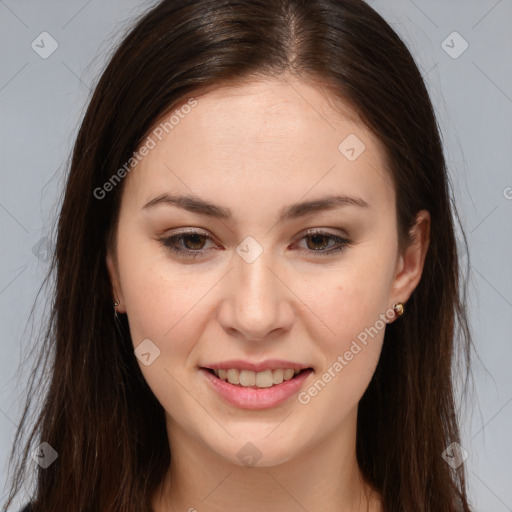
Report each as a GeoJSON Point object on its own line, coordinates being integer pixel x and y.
{"type": "Point", "coordinates": [98, 413]}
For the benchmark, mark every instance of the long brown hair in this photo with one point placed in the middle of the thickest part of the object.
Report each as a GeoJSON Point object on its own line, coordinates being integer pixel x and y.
{"type": "Point", "coordinates": [97, 412]}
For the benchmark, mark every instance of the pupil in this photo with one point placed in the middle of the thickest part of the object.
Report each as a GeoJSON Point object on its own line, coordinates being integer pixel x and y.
{"type": "Point", "coordinates": [195, 238]}
{"type": "Point", "coordinates": [316, 237]}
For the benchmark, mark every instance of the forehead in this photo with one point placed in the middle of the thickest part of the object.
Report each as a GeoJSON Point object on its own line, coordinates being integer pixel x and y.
{"type": "Point", "coordinates": [277, 137]}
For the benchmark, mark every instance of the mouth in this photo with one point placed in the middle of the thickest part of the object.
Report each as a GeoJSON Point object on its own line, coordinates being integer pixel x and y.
{"type": "Point", "coordinates": [257, 380]}
{"type": "Point", "coordinates": [246, 389]}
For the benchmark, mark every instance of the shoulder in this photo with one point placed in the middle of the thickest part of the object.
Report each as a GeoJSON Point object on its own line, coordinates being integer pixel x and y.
{"type": "Point", "coordinates": [28, 508]}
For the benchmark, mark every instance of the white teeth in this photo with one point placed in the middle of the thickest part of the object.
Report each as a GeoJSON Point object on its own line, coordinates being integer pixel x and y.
{"type": "Point", "coordinates": [247, 378]}
{"type": "Point", "coordinates": [288, 374]}
{"type": "Point", "coordinates": [278, 376]}
{"type": "Point", "coordinates": [233, 376]}
{"type": "Point", "coordinates": [264, 379]}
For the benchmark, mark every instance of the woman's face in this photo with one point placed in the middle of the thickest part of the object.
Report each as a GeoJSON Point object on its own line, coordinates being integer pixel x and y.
{"type": "Point", "coordinates": [253, 286]}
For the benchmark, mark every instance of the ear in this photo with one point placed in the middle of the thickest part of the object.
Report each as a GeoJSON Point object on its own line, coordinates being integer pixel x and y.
{"type": "Point", "coordinates": [114, 279]}
{"type": "Point", "coordinates": [410, 263]}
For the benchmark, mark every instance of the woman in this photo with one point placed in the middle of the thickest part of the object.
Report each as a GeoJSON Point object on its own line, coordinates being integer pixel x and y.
{"type": "Point", "coordinates": [256, 274]}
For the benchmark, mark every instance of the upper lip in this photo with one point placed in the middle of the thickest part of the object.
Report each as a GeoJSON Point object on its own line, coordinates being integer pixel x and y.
{"type": "Point", "coordinates": [269, 364]}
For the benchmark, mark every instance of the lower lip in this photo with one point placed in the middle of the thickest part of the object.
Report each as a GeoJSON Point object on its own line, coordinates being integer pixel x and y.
{"type": "Point", "coordinates": [263, 398]}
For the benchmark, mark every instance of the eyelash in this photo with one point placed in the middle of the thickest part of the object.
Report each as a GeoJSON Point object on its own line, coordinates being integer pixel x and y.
{"type": "Point", "coordinates": [169, 241]}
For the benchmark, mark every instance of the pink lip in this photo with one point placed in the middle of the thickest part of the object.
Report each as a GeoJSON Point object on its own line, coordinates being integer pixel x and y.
{"type": "Point", "coordinates": [250, 398]}
{"type": "Point", "coordinates": [269, 364]}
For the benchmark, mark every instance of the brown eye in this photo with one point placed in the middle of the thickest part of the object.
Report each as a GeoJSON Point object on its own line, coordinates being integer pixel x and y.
{"type": "Point", "coordinates": [316, 241]}
{"type": "Point", "coordinates": [194, 241]}
{"type": "Point", "coordinates": [187, 244]}
{"type": "Point", "coordinates": [319, 243]}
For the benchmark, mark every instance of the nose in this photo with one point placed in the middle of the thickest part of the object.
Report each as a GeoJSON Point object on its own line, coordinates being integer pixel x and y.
{"type": "Point", "coordinates": [257, 303]}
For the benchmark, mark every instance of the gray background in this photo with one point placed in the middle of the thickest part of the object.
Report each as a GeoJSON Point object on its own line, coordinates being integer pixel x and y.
{"type": "Point", "coordinates": [42, 101]}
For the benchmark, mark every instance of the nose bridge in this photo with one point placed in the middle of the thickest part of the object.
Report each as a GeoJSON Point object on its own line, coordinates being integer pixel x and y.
{"type": "Point", "coordinates": [255, 280]}
{"type": "Point", "coordinates": [255, 306]}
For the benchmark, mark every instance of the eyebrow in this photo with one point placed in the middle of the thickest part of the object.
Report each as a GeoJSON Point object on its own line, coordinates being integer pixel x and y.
{"type": "Point", "coordinates": [195, 204]}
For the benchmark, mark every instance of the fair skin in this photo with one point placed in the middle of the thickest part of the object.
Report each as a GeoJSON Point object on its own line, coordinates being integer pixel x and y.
{"type": "Point", "coordinates": [257, 149]}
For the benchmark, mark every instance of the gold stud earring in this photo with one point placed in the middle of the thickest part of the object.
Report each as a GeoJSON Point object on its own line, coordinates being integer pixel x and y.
{"type": "Point", "coordinates": [399, 309]}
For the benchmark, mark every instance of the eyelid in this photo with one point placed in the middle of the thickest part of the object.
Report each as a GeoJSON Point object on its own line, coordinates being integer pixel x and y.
{"type": "Point", "coordinates": [322, 231]}
{"type": "Point", "coordinates": [309, 231]}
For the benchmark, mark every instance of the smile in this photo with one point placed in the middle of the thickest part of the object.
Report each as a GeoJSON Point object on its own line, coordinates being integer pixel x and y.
{"type": "Point", "coordinates": [248, 378]}
{"type": "Point", "coordinates": [247, 389]}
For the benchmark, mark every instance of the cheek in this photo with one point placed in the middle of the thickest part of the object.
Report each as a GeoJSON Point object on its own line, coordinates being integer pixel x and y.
{"type": "Point", "coordinates": [354, 310]}
{"type": "Point", "coordinates": [159, 294]}
{"type": "Point", "coordinates": [350, 297]}
{"type": "Point", "coordinates": [164, 306]}
{"type": "Point", "coordinates": [351, 301]}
